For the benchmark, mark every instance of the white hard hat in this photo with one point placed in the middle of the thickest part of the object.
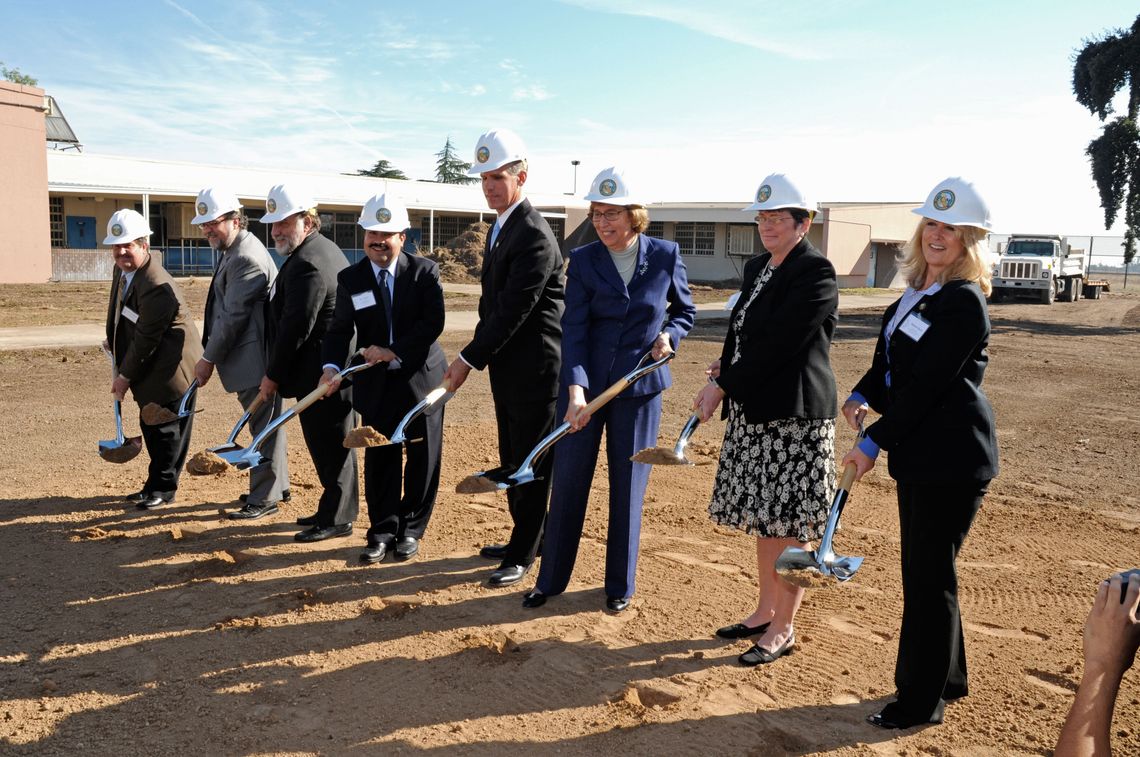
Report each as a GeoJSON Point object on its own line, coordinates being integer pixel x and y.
{"type": "Point", "coordinates": [610, 187]}
{"type": "Point", "coordinates": [126, 225]}
{"type": "Point", "coordinates": [957, 202]}
{"type": "Point", "coordinates": [384, 213]}
{"type": "Point", "coordinates": [495, 149]}
{"type": "Point", "coordinates": [777, 192]}
{"type": "Point", "coordinates": [284, 201]}
{"type": "Point", "coordinates": [213, 203]}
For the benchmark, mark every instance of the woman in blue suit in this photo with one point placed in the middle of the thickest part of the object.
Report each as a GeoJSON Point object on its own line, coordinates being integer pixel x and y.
{"type": "Point", "coordinates": [626, 295]}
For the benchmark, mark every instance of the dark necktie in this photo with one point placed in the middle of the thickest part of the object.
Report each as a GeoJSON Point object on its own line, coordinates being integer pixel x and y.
{"type": "Point", "coordinates": [386, 298]}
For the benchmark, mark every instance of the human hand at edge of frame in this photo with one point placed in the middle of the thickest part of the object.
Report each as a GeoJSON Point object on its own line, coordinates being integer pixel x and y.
{"type": "Point", "coordinates": [375, 354]}
{"type": "Point", "coordinates": [863, 463]}
{"type": "Point", "coordinates": [266, 389]}
{"type": "Point", "coordinates": [662, 346]}
{"type": "Point", "coordinates": [331, 379]}
{"type": "Point", "coordinates": [1112, 630]}
{"type": "Point", "coordinates": [708, 399]}
{"type": "Point", "coordinates": [203, 370]}
{"type": "Point", "coordinates": [456, 374]}
{"type": "Point", "coordinates": [855, 411]}
{"type": "Point", "coordinates": [713, 371]}
{"type": "Point", "coordinates": [119, 387]}
{"type": "Point", "coordinates": [575, 407]}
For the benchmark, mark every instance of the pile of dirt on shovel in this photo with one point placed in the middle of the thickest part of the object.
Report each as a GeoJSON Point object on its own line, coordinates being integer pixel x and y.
{"type": "Point", "coordinates": [154, 414]}
{"type": "Point", "coordinates": [462, 258]}
{"type": "Point", "coordinates": [206, 463]}
{"type": "Point", "coordinates": [365, 436]}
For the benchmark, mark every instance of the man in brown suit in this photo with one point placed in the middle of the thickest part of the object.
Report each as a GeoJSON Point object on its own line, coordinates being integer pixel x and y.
{"type": "Point", "coordinates": [155, 346]}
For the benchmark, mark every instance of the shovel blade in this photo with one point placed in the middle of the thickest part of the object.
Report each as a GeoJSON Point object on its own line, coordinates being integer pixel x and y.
{"type": "Point", "coordinates": [659, 456]}
{"type": "Point", "coordinates": [844, 568]}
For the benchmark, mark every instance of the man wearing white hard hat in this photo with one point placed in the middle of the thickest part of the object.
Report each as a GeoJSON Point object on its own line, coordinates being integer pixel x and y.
{"type": "Point", "coordinates": [297, 316]}
{"type": "Point", "coordinates": [392, 303]}
{"type": "Point", "coordinates": [518, 339]}
{"type": "Point", "coordinates": [234, 336]}
{"type": "Point", "coordinates": [155, 346]}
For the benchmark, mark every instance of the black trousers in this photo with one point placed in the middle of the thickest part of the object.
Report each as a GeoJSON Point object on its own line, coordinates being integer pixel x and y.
{"type": "Point", "coordinates": [324, 425]}
{"type": "Point", "coordinates": [167, 446]}
{"type": "Point", "coordinates": [392, 514]}
{"type": "Point", "coordinates": [931, 666]}
{"type": "Point", "coordinates": [521, 426]}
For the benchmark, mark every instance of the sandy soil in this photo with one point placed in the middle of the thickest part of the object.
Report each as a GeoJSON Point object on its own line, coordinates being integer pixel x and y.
{"type": "Point", "coordinates": [129, 633]}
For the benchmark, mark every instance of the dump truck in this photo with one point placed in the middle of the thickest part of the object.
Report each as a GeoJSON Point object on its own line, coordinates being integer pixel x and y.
{"type": "Point", "coordinates": [1045, 267]}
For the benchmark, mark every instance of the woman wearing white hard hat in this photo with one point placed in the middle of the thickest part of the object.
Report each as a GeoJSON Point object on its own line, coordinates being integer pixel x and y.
{"type": "Point", "coordinates": [938, 430]}
{"type": "Point", "coordinates": [776, 476]}
{"type": "Point", "coordinates": [626, 295]}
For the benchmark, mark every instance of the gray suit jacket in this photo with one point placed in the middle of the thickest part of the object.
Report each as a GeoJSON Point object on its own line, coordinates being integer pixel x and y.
{"type": "Point", "coordinates": [234, 328]}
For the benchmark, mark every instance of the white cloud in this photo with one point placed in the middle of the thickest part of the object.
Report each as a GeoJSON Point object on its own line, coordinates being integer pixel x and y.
{"type": "Point", "coordinates": [531, 92]}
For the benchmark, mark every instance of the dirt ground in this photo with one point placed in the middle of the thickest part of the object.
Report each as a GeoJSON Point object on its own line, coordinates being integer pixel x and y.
{"type": "Point", "coordinates": [138, 633]}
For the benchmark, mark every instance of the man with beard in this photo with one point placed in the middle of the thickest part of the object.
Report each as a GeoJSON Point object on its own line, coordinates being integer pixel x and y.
{"type": "Point", "coordinates": [300, 307]}
{"type": "Point", "coordinates": [518, 338]}
{"type": "Point", "coordinates": [155, 345]}
{"type": "Point", "coordinates": [234, 337]}
{"type": "Point", "coordinates": [393, 303]}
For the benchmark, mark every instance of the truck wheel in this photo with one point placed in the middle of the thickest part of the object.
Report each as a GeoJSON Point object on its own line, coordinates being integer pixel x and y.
{"type": "Point", "coordinates": [1049, 293]}
{"type": "Point", "coordinates": [1078, 285]}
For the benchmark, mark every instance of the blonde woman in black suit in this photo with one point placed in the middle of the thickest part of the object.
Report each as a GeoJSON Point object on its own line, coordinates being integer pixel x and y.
{"type": "Point", "coordinates": [937, 428]}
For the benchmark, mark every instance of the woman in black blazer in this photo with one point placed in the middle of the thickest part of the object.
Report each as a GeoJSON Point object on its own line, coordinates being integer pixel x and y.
{"type": "Point", "coordinates": [938, 430]}
{"type": "Point", "coordinates": [776, 476]}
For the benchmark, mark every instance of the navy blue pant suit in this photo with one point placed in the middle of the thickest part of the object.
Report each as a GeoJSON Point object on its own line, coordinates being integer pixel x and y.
{"type": "Point", "coordinates": [606, 328]}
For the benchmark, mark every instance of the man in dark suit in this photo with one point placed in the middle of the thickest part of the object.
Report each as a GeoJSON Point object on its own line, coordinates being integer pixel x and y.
{"type": "Point", "coordinates": [518, 338]}
{"type": "Point", "coordinates": [234, 337]}
{"type": "Point", "coordinates": [393, 303]}
{"type": "Point", "coordinates": [298, 313]}
{"type": "Point", "coordinates": [155, 346]}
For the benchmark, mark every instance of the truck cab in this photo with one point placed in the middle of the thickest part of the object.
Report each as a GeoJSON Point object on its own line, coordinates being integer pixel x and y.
{"type": "Point", "coordinates": [1041, 266]}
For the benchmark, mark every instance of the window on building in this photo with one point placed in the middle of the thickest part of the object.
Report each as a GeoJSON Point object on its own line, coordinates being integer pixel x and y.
{"type": "Point", "coordinates": [656, 229]}
{"type": "Point", "coordinates": [743, 239]}
{"type": "Point", "coordinates": [558, 226]}
{"type": "Point", "coordinates": [55, 216]}
{"type": "Point", "coordinates": [695, 238]}
{"type": "Point", "coordinates": [446, 228]}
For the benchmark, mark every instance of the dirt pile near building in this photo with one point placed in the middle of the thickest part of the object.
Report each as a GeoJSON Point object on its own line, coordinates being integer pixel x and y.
{"type": "Point", "coordinates": [461, 259]}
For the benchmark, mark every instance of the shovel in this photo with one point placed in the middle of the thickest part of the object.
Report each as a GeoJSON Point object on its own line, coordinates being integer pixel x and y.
{"type": "Point", "coordinates": [120, 449]}
{"type": "Point", "coordinates": [157, 415]}
{"type": "Point", "coordinates": [676, 455]}
{"type": "Point", "coordinates": [502, 478]}
{"type": "Point", "coordinates": [399, 436]}
{"type": "Point", "coordinates": [231, 444]}
{"type": "Point", "coordinates": [811, 569]}
{"type": "Point", "coordinates": [249, 457]}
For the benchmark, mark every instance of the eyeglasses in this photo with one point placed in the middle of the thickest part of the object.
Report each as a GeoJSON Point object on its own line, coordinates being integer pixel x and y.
{"type": "Point", "coordinates": [212, 225]}
{"type": "Point", "coordinates": [772, 219]}
{"type": "Point", "coordinates": [610, 215]}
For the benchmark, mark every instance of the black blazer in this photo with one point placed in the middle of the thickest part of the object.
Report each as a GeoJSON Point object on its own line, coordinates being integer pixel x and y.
{"type": "Point", "coordinates": [784, 369]}
{"type": "Point", "coordinates": [519, 335]}
{"type": "Point", "coordinates": [298, 313]}
{"type": "Point", "coordinates": [417, 315]}
{"type": "Point", "coordinates": [937, 425]}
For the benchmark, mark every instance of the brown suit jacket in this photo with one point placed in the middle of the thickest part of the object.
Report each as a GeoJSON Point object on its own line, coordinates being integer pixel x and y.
{"type": "Point", "coordinates": [158, 351]}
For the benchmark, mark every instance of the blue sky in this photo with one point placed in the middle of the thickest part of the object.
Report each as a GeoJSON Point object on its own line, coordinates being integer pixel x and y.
{"type": "Point", "coordinates": [856, 100]}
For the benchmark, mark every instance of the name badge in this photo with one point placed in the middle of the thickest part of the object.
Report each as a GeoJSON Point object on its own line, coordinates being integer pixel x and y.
{"type": "Point", "coordinates": [129, 314]}
{"type": "Point", "coordinates": [914, 326]}
{"type": "Point", "coordinates": [363, 300]}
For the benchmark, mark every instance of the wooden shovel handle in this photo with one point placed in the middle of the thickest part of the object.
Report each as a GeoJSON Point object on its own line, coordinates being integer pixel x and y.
{"type": "Point", "coordinates": [310, 398]}
{"type": "Point", "coordinates": [253, 406]}
{"type": "Point", "coordinates": [605, 396]}
{"type": "Point", "coordinates": [848, 479]}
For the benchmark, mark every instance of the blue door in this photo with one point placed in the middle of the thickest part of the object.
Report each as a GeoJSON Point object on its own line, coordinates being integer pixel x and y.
{"type": "Point", "coordinates": [81, 232]}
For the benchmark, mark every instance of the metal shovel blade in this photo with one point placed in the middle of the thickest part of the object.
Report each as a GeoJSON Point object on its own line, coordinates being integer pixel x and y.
{"type": "Point", "coordinates": [119, 449]}
{"type": "Point", "coordinates": [813, 569]}
{"type": "Point", "coordinates": [674, 455]}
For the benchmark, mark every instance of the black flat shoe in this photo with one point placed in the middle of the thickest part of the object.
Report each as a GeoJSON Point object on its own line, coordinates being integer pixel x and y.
{"type": "Point", "coordinates": [494, 551]}
{"type": "Point", "coordinates": [375, 553]}
{"type": "Point", "coordinates": [533, 599]}
{"type": "Point", "coordinates": [407, 547]}
{"type": "Point", "coordinates": [317, 533]}
{"type": "Point", "coordinates": [507, 575]}
{"type": "Point", "coordinates": [758, 655]}
{"type": "Point", "coordinates": [889, 718]}
{"type": "Point", "coordinates": [617, 604]}
{"type": "Point", "coordinates": [741, 631]}
{"type": "Point", "coordinates": [255, 511]}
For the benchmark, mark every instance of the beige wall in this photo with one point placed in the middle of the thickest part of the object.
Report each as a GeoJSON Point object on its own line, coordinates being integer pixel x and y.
{"type": "Point", "coordinates": [849, 230]}
{"type": "Point", "coordinates": [25, 245]}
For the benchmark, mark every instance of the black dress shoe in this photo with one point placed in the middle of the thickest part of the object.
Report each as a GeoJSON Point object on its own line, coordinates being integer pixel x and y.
{"type": "Point", "coordinates": [376, 552]}
{"type": "Point", "coordinates": [494, 551]}
{"type": "Point", "coordinates": [758, 655]}
{"type": "Point", "coordinates": [307, 520]}
{"type": "Point", "coordinates": [890, 723]}
{"type": "Point", "coordinates": [507, 575]}
{"type": "Point", "coordinates": [533, 599]}
{"type": "Point", "coordinates": [320, 533]}
{"type": "Point", "coordinates": [138, 496]}
{"type": "Point", "coordinates": [152, 501]}
{"type": "Point", "coordinates": [407, 547]}
{"type": "Point", "coordinates": [741, 631]}
{"type": "Point", "coordinates": [617, 604]}
{"type": "Point", "coordinates": [286, 495]}
{"type": "Point", "coordinates": [255, 511]}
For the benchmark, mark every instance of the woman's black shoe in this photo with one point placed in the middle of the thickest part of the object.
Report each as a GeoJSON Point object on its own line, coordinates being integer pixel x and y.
{"type": "Point", "coordinates": [758, 655]}
{"type": "Point", "coordinates": [741, 631]}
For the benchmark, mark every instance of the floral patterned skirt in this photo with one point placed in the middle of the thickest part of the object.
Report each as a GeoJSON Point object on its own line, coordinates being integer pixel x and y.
{"type": "Point", "coordinates": [775, 479]}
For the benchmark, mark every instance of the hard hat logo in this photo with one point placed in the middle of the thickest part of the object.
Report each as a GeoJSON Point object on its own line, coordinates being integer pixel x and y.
{"type": "Point", "coordinates": [944, 200]}
{"type": "Point", "coordinates": [483, 154]}
{"type": "Point", "coordinates": [763, 193]}
{"type": "Point", "coordinates": [117, 230]}
{"type": "Point", "coordinates": [607, 188]}
{"type": "Point", "coordinates": [202, 208]}
{"type": "Point", "coordinates": [271, 205]}
{"type": "Point", "coordinates": [383, 215]}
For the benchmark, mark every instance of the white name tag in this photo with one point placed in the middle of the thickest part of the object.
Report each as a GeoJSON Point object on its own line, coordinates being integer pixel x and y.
{"type": "Point", "coordinates": [363, 300]}
{"type": "Point", "coordinates": [914, 326]}
{"type": "Point", "coordinates": [129, 314]}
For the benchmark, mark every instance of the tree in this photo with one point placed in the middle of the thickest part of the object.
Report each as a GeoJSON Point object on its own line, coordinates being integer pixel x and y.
{"type": "Point", "coordinates": [1103, 67]}
{"type": "Point", "coordinates": [13, 75]}
{"type": "Point", "coordinates": [449, 169]}
{"type": "Point", "coordinates": [382, 170]}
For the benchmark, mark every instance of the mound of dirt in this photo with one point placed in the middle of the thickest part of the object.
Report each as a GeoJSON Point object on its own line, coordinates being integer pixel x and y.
{"type": "Point", "coordinates": [365, 436]}
{"type": "Point", "coordinates": [206, 463]}
{"type": "Point", "coordinates": [461, 259]}
{"type": "Point", "coordinates": [154, 414]}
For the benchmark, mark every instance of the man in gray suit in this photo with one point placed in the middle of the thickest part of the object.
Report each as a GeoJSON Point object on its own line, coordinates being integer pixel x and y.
{"type": "Point", "coordinates": [234, 337]}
